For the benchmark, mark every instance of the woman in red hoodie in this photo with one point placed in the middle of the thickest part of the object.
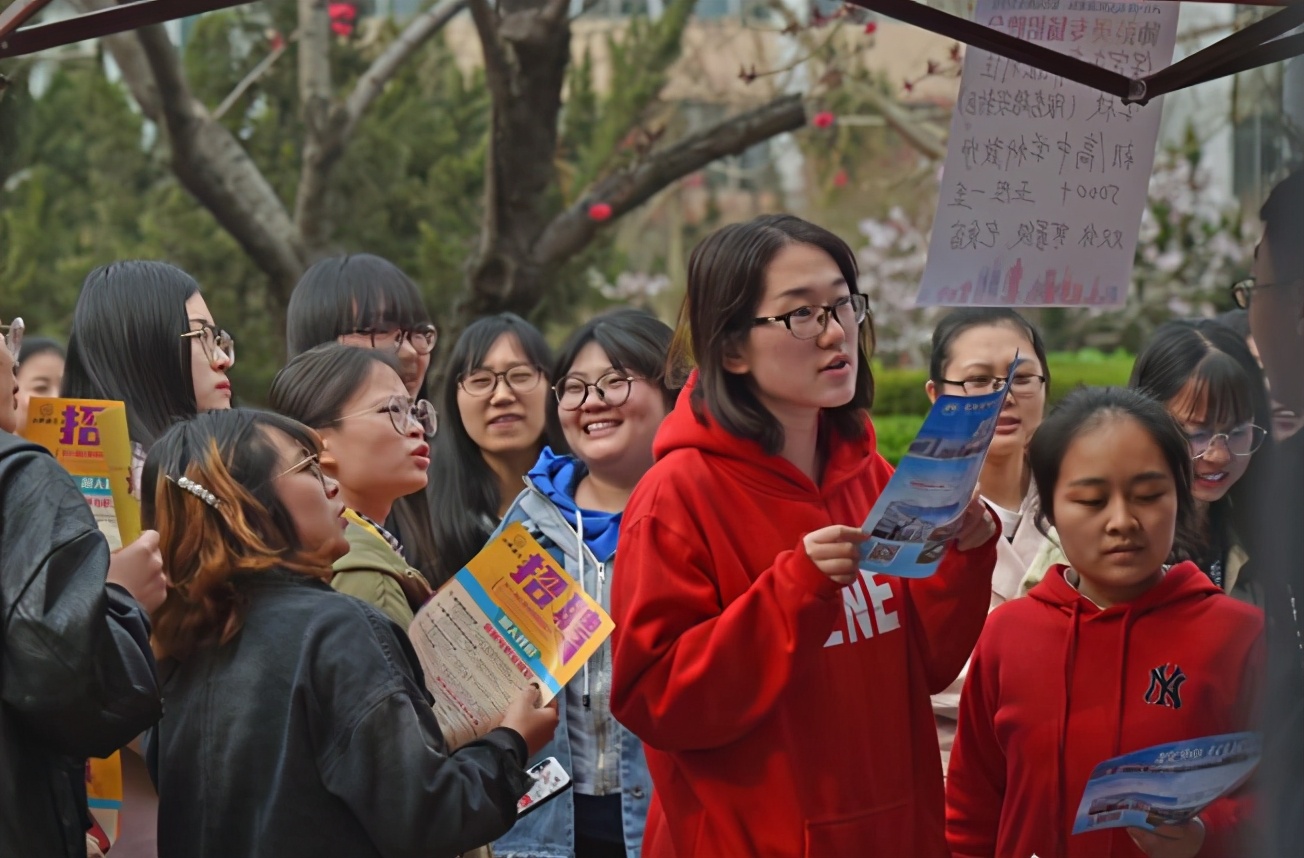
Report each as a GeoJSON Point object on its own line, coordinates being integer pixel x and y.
{"type": "Point", "coordinates": [1114, 653]}
{"type": "Point", "coordinates": [782, 695]}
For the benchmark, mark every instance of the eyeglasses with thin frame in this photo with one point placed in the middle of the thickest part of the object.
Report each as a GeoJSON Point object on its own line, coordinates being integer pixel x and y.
{"type": "Point", "coordinates": [216, 343]}
{"type": "Point", "coordinates": [423, 338]}
{"type": "Point", "coordinates": [310, 463]}
{"type": "Point", "coordinates": [1242, 440]}
{"type": "Point", "coordinates": [807, 323]}
{"type": "Point", "coordinates": [403, 412]}
{"type": "Point", "coordinates": [613, 389]}
{"type": "Point", "coordinates": [13, 335]}
{"type": "Point", "coordinates": [521, 378]}
{"type": "Point", "coordinates": [1023, 384]}
{"type": "Point", "coordinates": [1243, 290]}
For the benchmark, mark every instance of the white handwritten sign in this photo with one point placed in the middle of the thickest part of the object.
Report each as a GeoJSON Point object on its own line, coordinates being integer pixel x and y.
{"type": "Point", "coordinates": [1045, 179]}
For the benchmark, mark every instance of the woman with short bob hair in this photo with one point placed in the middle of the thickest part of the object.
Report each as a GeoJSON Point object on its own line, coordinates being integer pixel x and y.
{"type": "Point", "coordinates": [742, 619]}
{"type": "Point", "coordinates": [303, 712]}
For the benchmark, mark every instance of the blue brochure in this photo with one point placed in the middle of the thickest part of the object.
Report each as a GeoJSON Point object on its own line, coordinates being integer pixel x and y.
{"type": "Point", "coordinates": [1166, 784]}
{"type": "Point", "coordinates": [921, 507]}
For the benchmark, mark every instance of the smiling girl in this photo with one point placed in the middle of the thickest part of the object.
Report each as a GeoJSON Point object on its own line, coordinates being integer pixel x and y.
{"type": "Point", "coordinates": [375, 445]}
{"type": "Point", "coordinates": [1211, 384]}
{"type": "Point", "coordinates": [1066, 678]}
{"type": "Point", "coordinates": [610, 398]}
{"type": "Point", "coordinates": [781, 694]}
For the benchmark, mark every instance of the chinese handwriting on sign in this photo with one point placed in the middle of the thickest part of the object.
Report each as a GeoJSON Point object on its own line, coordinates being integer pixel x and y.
{"type": "Point", "coordinates": [574, 618]}
{"type": "Point", "coordinates": [1044, 176]}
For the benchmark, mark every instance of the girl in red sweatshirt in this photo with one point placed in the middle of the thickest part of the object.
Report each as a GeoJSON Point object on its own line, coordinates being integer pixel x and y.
{"type": "Point", "coordinates": [1114, 653]}
{"type": "Point", "coordinates": [781, 694]}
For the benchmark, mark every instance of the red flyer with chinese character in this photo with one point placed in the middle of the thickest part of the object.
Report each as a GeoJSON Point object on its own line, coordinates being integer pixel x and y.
{"type": "Point", "coordinates": [512, 616]}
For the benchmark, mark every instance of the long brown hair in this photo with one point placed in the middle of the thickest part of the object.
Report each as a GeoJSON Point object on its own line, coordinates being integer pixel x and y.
{"type": "Point", "coordinates": [209, 551]}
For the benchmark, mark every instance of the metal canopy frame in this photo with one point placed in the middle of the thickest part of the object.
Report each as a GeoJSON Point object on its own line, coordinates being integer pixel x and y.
{"type": "Point", "coordinates": [15, 42]}
{"type": "Point", "coordinates": [1259, 44]}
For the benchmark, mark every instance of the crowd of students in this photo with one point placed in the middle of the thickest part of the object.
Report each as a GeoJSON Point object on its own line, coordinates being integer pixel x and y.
{"type": "Point", "coordinates": [761, 695]}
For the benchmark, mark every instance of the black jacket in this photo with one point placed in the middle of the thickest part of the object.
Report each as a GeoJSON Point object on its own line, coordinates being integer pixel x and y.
{"type": "Point", "coordinates": [311, 733]}
{"type": "Point", "coordinates": [77, 678]}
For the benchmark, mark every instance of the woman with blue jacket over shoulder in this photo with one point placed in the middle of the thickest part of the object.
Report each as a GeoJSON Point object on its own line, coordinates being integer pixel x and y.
{"type": "Point", "coordinates": [611, 396]}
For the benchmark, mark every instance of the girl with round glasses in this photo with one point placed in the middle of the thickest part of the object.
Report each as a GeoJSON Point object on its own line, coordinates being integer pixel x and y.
{"type": "Point", "coordinates": [494, 403]}
{"type": "Point", "coordinates": [1209, 381]}
{"type": "Point", "coordinates": [782, 694]}
{"type": "Point", "coordinates": [365, 301]}
{"type": "Point", "coordinates": [611, 396]}
{"type": "Point", "coordinates": [973, 349]}
{"type": "Point", "coordinates": [375, 445]}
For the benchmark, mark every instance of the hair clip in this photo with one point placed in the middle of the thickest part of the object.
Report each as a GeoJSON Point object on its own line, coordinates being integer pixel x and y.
{"type": "Point", "coordinates": [195, 489]}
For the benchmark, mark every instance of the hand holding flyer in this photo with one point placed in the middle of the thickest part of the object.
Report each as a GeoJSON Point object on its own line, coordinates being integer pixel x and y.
{"type": "Point", "coordinates": [922, 507]}
{"type": "Point", "coordinates": [511, 617]}
{"type": "Point", "coordinates": [1166, 784]}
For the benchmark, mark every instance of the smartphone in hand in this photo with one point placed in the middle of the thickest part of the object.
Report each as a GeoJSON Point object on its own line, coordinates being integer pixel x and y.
{"type": "Point", "coordinates": [550, 781]}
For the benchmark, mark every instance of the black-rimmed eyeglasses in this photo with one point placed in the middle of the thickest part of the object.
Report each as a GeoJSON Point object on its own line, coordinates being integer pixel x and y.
{"type": "Point", "coordinates": [1025, 384]}
{"type": "Point", "coordinates": [422, 338]}
{"type": "Point", "coordinates": [613, 389]}
{"type": "Point", "coordinates": [807, 323]}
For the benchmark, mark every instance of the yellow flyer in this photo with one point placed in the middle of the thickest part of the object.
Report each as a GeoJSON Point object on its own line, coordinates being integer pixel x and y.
{"type": "Point", "coordinates": [88, 437]}
{"type": "Point", "coordinates": [511, 617]}
{"type": "Point", "coordinates": [104, 792]}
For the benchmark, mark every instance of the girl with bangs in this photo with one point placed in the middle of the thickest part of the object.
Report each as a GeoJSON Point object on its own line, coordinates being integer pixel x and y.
{"type": "Point", "coordinates": [494, 403]}
{"type": "Point", "coordinates": [1208, 380]}
{"type": "Point", "coordinates": [365, 301]}
{"type": "Point", "coordinates": [297, 719]}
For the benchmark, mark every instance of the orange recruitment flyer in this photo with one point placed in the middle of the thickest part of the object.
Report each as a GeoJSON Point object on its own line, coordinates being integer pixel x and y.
{"type": "Point", "coordinates": [511, 617]}
{"type": "Point", "coordinates": [88, 437]}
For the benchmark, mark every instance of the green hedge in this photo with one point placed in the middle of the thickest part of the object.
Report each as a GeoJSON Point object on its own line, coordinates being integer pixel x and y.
{"type": "Point", "coordinates": [900, 402]}
{"type": "Point", "coordinates": [901, 391]}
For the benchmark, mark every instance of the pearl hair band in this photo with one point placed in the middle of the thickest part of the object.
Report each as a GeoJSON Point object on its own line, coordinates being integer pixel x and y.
{"type": "Point", "coordinates": [195, 489]}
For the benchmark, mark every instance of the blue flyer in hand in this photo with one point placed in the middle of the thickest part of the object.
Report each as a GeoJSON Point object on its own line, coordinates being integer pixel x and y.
{"type": "Point", "coordinates": [1166, 784]}
{"type": "Point", "coordinates": [921, 507]}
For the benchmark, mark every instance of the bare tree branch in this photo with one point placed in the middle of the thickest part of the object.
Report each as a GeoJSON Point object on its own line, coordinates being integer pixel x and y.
{"type": "Point", "coordinates": [920, 136]}
{"type": "Point", "coordinates": [497, 69]}
{"type": "Point", "coordinates": [250, 79]}
{"type": "Point", "coordinates": [322, 123]}
{"type": "Point", "coordinates": [130, 58]}
{"type": "Point", "coordinates": [571, 230]}
{"type": "Point", "coordinates": [382, 70]}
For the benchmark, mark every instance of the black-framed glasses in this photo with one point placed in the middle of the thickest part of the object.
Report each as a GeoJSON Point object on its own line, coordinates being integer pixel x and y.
{"type": "Point", "coordinates": [613, 389]}
{"type": "Point", "coordinates": [404, 412]}
{"type": "Point", "coordinates": [216, 343]}
{"type": "Point", "coordinates": [422, 338]}
{"type": "Point", "coordinates": [13, 335]}
{"type": "Point", "coordinates": [1242, 440]}
{"type": "Point", "coordinates": [521, 378]}
{"type": "Point", "coordinates": [310, 463]}
{"type": "Point", "coordinates": [1243, 290]}
{"type": "Point", "coordinates": [807, 323]}
{"type": "Point", "coordinates": [1023, 384]}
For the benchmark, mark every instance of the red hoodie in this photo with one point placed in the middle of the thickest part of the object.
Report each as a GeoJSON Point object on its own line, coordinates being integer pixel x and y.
{"type": "Point", "coordinates": [1058, 685]}
{"type": "Point", "coordinates": [782, 715]}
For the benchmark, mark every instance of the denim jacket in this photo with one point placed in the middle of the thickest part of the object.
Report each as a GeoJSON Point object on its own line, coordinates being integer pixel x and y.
{"type": "Point", "coordinates": [613, 754]}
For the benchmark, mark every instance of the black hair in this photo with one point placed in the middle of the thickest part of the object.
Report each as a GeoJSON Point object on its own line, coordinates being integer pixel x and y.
{"type": "Point", "coordinates": [726, 284]}
{"type": "Point", "coordinates": [958, 321]}
{"type": "Point", "coordinates": [634, 340]}
{"type": "Point", "coordinates": [342, 294]}
{"type": "Point", "coordinates": [1085, 409]}
{"type": "Point", "coordinates": [1237, 320]}
{"type": "Point", "coordinates": [467, 495]}
{"type": "Point", "coordinates": [1283, 224]}
{"type": "Point", "coordinates": [126, 344]}
{"type": "Point", "coordinates": [314, 387]}
{"type": "Point", "coordinates": [33, 346]}
{"type": "Point", "coordinates": [1228, 381]}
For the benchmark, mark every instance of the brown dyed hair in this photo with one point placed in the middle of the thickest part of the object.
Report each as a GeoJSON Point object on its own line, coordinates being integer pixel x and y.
{"type": "Point", "coordinates": [726, 282]}
{"type": "Point", "coordinates": [211, 552]}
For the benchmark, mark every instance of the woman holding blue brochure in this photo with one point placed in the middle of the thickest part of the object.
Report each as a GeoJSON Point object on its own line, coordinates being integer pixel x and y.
{"type": "Point", "coordinates": [781, 694]}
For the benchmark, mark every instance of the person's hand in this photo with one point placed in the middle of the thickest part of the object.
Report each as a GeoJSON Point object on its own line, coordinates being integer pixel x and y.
{"type": "Point", "coordinates": [535, 723]}
{"type": "Point", "coordinates": [976, 525]}
{"type": "Point", "coordinates": [138, 569]}
{"type": "Point", "coordinates": [1171, 841]}
{"type": "Point", "coordinates": [835, 551]}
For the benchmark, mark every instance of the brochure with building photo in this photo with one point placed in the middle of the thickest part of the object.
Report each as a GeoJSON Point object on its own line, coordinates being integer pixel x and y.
{"type": "Point", "coordinates": [921, 507]}
{"type": "Point", "coordinates": [1166, 784]}
{"type": "Point", "coordinates": [512, 616]}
